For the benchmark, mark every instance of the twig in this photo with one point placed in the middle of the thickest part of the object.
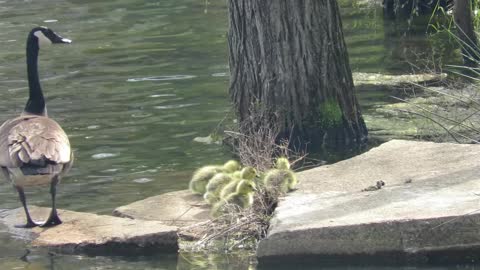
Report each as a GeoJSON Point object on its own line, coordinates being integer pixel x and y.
{"type": "Point", "coordinates": [177, 218]}
{"type": "Point", "coordinates": [456, 218]}
{"type": "Point", "coordinates": [219, 234]}
{"type": "Point", "coordinates": [449, 95]}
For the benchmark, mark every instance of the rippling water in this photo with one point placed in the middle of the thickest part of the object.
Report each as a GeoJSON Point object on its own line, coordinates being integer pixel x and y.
{"type": "Point", "coordinates": [132, 91]}
{"type": "Point", "coordinates": [139, 82]}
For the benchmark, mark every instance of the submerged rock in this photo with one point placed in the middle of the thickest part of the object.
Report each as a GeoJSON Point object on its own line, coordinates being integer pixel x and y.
{"type": "Point", "coordinates": [360, 78]}
{"type": "Point", "coordinates": [94, 234]}
{"type": "Point", "coordinates": [429, 116]}
{"type": "Point", "coordinates": [427, 210]}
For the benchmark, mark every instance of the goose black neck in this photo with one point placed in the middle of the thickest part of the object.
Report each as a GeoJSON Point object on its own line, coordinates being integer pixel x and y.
{"type": "Point", "coordinates": [36, 101]}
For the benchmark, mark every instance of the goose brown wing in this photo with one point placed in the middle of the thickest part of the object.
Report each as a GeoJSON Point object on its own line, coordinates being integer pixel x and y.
{"type": "Point", "coordinates": [36, 140]}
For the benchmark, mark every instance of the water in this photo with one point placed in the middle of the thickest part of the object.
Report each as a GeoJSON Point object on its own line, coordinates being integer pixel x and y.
{"type": "Point", "coordinates": [141, 80]}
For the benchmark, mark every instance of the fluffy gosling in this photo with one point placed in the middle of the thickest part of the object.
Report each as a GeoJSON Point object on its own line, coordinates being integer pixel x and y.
{"type": "Point", "coordinates": [281, 178]}
{"type": "Point", "coordinates": [215, 185]}
{"type": "Point", "coordinates": [247, 173]}
{"type": "Point", "coordinates": [242, 198]}
{"type": "Point", "coordinates": [200, 177]}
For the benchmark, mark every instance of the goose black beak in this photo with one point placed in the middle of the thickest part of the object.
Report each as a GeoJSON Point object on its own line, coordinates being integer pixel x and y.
{"type": "Point", "coordinates": [59, 39]}
{"type": "Point", "coordinates": [66, 40]}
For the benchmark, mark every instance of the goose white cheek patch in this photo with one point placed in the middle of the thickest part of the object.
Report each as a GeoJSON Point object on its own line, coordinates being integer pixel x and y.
{"type": "Point", "coordinates": [42, 39]}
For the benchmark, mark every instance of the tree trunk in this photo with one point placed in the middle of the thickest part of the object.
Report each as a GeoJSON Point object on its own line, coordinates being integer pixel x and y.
{"type": "Point", "coordinates": [289, 58]}
{"type": "Point", "coordinates": [462, 14]}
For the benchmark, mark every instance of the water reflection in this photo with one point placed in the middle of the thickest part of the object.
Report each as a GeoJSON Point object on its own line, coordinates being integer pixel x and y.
{"type": "Point", "coordinates": [200, 261]}
{"type": "Point", "coordinates": [391, 46]}
{"type": "Point", "coordinates": [132, 132]}
{"type": "Point", "coordinates": [51, 261]}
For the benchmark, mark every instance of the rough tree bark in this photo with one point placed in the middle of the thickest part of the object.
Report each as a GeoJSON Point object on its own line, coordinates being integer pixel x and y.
{"type": "Point", "coordinates": [462, 14]}
{"type": "Point", "coordinates": [289, 58]}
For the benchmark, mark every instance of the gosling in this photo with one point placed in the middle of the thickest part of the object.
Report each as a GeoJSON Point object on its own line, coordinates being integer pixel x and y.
{"type": "Point", "coordinates": [247, 173]}
{"type": "Point", "coordinates": [200, 177]}
{"type": "Point", "coordinates": [281, 179]}
{"type": "Point", "coordinates": [242, 198]}
{"type": "Point", "coordinates": [215, 185]}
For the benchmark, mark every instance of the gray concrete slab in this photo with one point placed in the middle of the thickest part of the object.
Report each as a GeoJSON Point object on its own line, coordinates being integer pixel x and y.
{"type": "Point", "coordinates": [178, 208]}
{"type": "Point", "coordinates": [428, 203]}
{"type": "Point", "coordinates": [93, 234]}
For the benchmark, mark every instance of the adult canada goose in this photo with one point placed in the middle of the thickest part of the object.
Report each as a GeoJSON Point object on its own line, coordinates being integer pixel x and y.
{"type": "Point", "coordinates": [34, 149]}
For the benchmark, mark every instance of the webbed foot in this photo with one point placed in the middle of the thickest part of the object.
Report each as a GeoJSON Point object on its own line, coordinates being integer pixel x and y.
{"type": "Point", "coordinates": [29, 224]}
{"type": "Point", "coordinates": [52, 220]}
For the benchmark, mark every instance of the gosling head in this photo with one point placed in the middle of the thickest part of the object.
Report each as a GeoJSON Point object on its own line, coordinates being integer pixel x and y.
{"type": "Point", "coordinates": [231, 166]}
{"type": "Point", "coordinates": [282, 163]}
{"type": "Point", "coordinates": [246, 186]}
{"type": "Point", "coordinates": [248, 173]}
{"type": "Point", "coordinates": [42, 36]}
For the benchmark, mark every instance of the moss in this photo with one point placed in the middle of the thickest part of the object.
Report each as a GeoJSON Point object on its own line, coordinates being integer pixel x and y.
{"type": "Point", "coordinates": [330, 114]}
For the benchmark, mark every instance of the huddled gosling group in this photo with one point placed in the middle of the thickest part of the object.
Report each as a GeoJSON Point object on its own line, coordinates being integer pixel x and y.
{"type": "Point", "coordinates": [231, 185]}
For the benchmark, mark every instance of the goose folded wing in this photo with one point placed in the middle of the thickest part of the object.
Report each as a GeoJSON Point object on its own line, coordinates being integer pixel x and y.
{"type": "Point", "coordinates": [38, 142]}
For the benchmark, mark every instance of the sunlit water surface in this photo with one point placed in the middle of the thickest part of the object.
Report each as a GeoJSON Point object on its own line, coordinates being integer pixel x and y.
{"type": "Point", "coordinates": [141, 80]}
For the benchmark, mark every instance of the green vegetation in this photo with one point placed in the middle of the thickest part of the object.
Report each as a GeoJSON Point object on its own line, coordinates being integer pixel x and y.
{"type": "Point", "coordinates": [330, 114]}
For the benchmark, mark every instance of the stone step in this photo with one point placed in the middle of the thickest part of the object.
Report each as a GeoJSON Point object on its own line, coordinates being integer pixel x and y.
{"type": "Point", "coordinates": [428, 206]}
{"type": "Point", "coordinates": [177, 208]}
{"type": "Point", "coordinates": [93, 234]}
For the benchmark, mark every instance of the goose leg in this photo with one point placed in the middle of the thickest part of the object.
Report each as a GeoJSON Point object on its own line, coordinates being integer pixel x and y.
{"type": "Point", "coordinates": [30, 222]}
{"type": "Point", "coordinates": [53, 218]}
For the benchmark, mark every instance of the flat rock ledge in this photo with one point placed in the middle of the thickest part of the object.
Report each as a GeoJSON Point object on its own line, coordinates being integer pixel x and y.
{"type": "Point", "coordinates": [187, 211]}
{"type": "Point", "coordinates": [427, 212]}
{"type": "Point", "coordinates": [94, 234]}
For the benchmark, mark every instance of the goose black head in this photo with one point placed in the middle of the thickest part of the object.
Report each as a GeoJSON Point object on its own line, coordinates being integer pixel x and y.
{"type": "Point", "coordinates": [45, 36]}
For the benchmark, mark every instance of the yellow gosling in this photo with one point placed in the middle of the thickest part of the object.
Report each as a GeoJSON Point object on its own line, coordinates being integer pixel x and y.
{"type": "Point", "coordinates": [282, 163]}
{"type": "Point", "coordinates": [200, 177]}
{"type": "Point", "coordinates": [214, 186]}
{"type": "Point", "coordinates": [247, 173]}
{"type": "Point", "coordinates": [231, 166]}
{"type": "Point", "coordinates": [242, 198]}
{"type": "Point", "coordinates": [281, 178]}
